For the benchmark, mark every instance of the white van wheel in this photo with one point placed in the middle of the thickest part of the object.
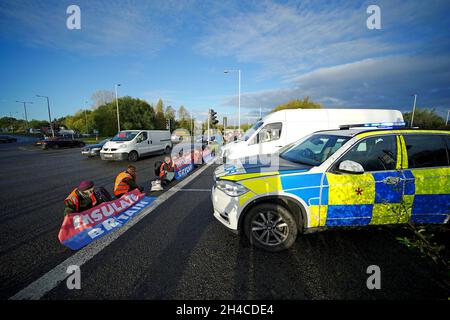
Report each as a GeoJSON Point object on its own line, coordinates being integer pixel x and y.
{"type": "Point", "coordinates": [133, 156]}
{"type": "Point", "coordinates": [167, 150]}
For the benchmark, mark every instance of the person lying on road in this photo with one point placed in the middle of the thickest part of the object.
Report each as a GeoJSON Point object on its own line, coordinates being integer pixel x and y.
{"type": "Point", "coordinates": [126, 182]}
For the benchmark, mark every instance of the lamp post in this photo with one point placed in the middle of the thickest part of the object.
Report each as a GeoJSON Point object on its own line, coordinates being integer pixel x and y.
{"type": "Point", "coordinates": [448, 114]}
{"type": "Point", "coordinates": [117, 105]}
{"type": "Point", "coordinates": [49, 116]}
{"type": "Point", "coordinates": [414, 109]}
{"type": "Point", "coordinates": [239, 94]}
{"type": "Point", "coordinates": [85, 116]}
{"type": "Point", "coordinates": [25, 108]}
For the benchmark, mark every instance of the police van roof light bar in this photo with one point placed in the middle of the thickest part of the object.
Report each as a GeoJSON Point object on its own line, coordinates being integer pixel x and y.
{"type": "Point", "coordinates": [385, 125]}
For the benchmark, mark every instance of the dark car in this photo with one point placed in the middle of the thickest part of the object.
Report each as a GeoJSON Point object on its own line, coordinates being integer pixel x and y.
{"type": "Point", "coordinates": [93, 150]}
{"type": "Point", "coordinates": [60, 143]}
{"type": "Point", "coordinates": [7, 139]}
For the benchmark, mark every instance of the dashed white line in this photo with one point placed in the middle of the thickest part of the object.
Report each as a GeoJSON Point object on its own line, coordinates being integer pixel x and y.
{"type": "Point", "coordinates": [54, 277]}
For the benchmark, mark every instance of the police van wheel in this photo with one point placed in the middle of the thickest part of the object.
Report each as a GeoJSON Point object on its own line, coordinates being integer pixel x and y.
{"type": "Point", "coordinates": [167, 150]}
{"type": "Point", "coordinates": [270, 227]}
{"type": "Point", "coordinates": [133, 156]}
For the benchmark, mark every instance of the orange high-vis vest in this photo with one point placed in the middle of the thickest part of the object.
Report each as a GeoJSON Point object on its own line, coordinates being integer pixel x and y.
{"type": "Point", "coordinates": [73, 197]}
{"type": "Point", "coordinates": [161, 168]}
{"type": "Point", "coordinates": [120, 186]}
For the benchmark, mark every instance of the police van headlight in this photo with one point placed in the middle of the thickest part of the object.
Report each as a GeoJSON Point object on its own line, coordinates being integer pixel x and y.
{"type": "Point", "coordinates": [232, 189]}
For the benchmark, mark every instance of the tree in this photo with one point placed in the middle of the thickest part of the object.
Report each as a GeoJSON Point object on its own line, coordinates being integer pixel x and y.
{"type": "Point", "coordinates": [170, 113]}
{"type": "Point", "coordinates": [134, 114]}
{"type": "Point", "coordinates": [184, 119]}
{"type": "Point", "coordinates": [82, 121]}
{"type": "Point", "coordinates": [102, 97]}
{"type": "Point", "coordinates": [160, 120]}
{"type": "Point", "coordinates": [425, 118]}
{"type": "Point", "coordinates": [298, 104]}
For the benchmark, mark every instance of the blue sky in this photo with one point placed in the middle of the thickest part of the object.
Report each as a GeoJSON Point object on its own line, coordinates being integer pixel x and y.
{"type": "Point", "coordinates": [177, 51]}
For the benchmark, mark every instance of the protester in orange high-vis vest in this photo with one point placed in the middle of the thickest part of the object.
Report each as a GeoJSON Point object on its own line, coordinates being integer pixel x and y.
{"type": "Point", "coordinates": [126, 182]}
{"type": "Point", "coordinates": [81, 198]}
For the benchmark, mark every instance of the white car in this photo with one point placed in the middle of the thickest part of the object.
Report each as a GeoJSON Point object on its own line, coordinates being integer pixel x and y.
{"type": "Point", "coordinates": [133, 144]}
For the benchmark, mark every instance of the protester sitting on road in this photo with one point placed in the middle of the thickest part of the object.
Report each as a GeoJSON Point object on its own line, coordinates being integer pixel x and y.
{"type": "Point", "coordinates": [82, 198]}
{"type": "Point", "coordinates": [126, 182]}
{"type": "Point", "coordinates": [166, 170]}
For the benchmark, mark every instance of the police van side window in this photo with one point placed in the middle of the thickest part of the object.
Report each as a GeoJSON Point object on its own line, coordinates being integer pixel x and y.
{"type": "Point", "coordinates": [426, 151]}
{"type": "Point", "coordinates": [270, 132]}
{"type": "Point", "coordinates": [374, 154]}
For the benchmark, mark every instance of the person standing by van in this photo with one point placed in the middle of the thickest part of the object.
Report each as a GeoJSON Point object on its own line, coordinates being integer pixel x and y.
{"type": "Point", "coordinates": [126, 182]}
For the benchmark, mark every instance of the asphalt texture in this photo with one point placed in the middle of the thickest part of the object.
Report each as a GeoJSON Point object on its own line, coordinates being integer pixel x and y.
{"type": "Point", "coordinates": [179, 251]}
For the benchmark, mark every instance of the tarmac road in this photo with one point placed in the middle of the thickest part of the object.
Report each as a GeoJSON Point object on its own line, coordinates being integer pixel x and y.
{"type": "Point", "coordinates": [34, 184]}
{"type": "Point", "coordinates": [179, 251]}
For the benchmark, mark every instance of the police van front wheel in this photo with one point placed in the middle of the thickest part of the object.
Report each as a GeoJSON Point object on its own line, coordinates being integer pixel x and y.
{"type": "Point", "coordinates": [270, 227]}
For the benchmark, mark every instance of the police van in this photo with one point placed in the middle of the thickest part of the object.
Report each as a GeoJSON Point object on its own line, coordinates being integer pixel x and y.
{"type": "Point", "coordinates": [350, 177]}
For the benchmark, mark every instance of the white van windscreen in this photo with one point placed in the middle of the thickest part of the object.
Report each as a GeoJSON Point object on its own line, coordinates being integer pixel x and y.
{"type": "Point", "coordinates": [124, 136]}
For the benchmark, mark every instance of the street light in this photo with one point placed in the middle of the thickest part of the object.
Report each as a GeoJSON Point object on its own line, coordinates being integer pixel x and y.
{"type": "Point", "coordinates": [414, 109]}
{"type": "Point", "coordinates": [49, 116]}
{"type": "Point", "coordinates": [239, 94]}
{"type": "Point", "coordinates": [25, 107]}
{"type": "Point", "coordinates": [117, 105]}
{"type": "Point", "coordinates": [85, 116]}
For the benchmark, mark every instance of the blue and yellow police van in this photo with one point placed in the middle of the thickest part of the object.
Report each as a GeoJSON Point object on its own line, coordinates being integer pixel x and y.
{"type": "Point", "coordinates": [371, 175]}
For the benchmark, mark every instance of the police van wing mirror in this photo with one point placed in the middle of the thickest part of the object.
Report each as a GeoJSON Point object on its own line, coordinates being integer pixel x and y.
{"type": "Point", "coordinates": [349, 166]}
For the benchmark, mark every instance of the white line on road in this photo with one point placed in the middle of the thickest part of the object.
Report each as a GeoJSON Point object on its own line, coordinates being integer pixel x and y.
{"type": "Point", "coordinates": [193, 190]}
{"type": "Point", "coordinates": [51, 279]}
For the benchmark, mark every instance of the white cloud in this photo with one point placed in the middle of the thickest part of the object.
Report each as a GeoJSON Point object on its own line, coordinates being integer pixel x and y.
{"type": "Point", "coordinates": [384, 83]}
{"type": "Point", "coordinates": [289, 39]}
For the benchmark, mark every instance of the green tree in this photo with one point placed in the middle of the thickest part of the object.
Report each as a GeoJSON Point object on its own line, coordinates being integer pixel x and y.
{"type": "Point", "coordinates": [160, 120]}
{"type": "Point", "coordinates": [426, 118]}
{"type": "Point", "coordinates": [134, 114]}
{"type": "Point", "coordinates": [305, 103]}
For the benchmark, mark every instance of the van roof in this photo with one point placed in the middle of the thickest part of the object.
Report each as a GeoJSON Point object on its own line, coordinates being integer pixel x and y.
{"type": "Point", "coordinates": [356, 131]}
{"type": "Point", "coordinates": [287, 113]}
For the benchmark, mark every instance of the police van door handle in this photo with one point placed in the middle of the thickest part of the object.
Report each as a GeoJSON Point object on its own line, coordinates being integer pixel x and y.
{"type": "Point", "coordinates": [392, 180]}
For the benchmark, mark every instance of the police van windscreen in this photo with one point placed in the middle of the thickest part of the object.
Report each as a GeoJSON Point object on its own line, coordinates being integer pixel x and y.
{"type": "Point", "coordinates": [124, 136]}
{"type": "Point", "coordinates": [315, 149]}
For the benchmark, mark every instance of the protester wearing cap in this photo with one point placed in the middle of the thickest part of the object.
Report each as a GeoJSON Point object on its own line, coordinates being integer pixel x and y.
{"type": "Point", "coordinates": [81, 198]}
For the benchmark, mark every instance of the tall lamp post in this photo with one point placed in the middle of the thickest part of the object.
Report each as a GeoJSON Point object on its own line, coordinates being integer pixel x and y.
{"type": "Point", "coordinates": [117, 105]}
{"type": "Point", "coordinates": [25, 108]}
{"type": "Point", "coordinates": [448, 115]}
{"type": "Point", "coordinates": [414, 110]}
{"type": "Point", "coordinates": [49, 115]}
{"type": "Point", "coordinates": [239, 94]}
{"type": "Point", "coordinates": [85, 116]}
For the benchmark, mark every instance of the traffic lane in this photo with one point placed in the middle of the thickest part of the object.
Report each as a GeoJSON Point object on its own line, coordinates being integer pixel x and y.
{"type": "Point", "coordinates": [180, 251]}
{"type": "Point", "coordinates": [37, 182]}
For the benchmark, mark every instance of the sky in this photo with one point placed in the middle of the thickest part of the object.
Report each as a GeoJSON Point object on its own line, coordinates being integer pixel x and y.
{"type": "Point", "coordinates": [178, 51]}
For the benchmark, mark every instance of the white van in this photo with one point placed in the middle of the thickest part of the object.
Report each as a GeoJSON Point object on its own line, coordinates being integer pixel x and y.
{"type": "Point", "coordinates": [132, 144]}
{"type": "Point", "coordinates": [281, 128]}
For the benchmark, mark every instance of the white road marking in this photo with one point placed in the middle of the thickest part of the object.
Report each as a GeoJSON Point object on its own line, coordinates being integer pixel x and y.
{"type": "Point", "coordinates": [54, 277]}
{"type": "Point", "coordinates": [193, 190]}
